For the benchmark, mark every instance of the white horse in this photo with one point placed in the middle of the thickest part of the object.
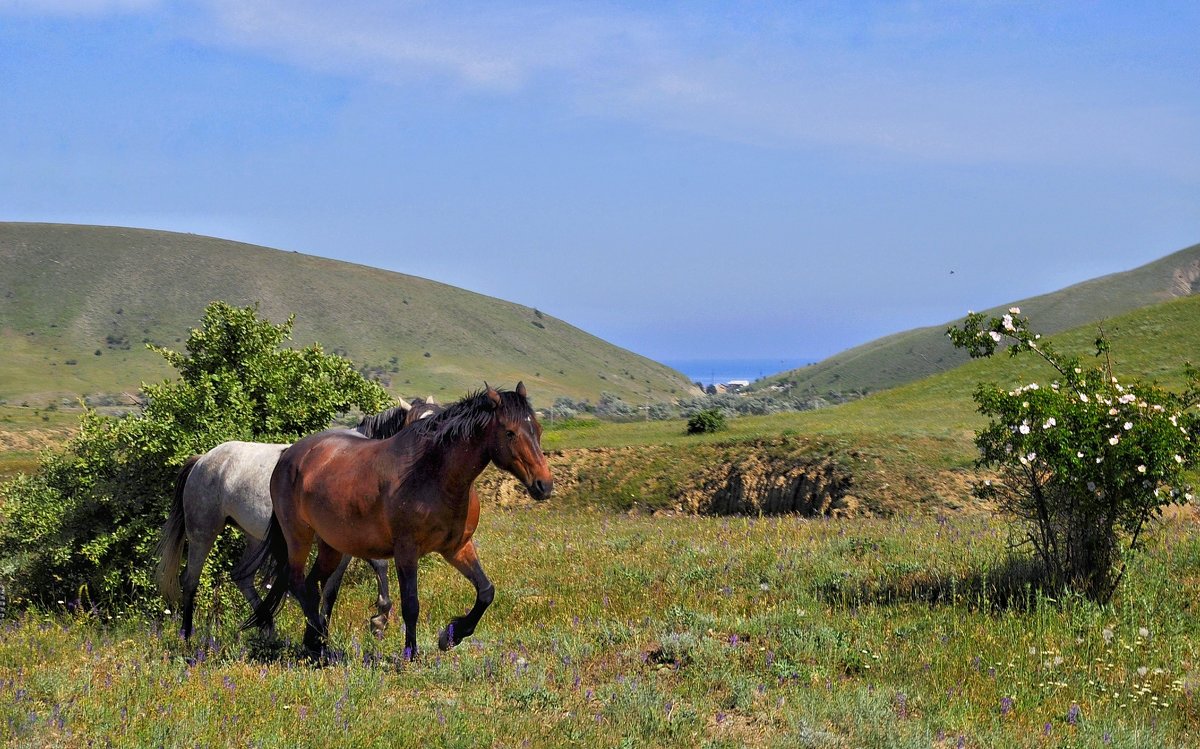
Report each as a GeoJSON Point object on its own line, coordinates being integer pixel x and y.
{"type": "Point", "coordinates": [231, 483]}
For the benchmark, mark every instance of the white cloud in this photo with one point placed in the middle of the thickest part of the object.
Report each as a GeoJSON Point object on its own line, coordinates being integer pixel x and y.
{"type": "Point", "coordinates": [72, 8]}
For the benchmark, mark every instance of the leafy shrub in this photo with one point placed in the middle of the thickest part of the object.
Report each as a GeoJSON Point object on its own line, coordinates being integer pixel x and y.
{"type": "Point", "coordinates": [86, 523]}
{"type": "Point", "coordinates": [708, 420]}
{"type": "Point", "coordinates": [1084, 461]}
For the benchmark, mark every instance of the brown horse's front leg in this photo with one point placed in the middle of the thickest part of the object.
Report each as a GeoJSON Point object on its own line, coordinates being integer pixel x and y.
{"type": "Point", "coordinates": [410, 607]}
{"type": "Point", "coordinates": [466, 561]}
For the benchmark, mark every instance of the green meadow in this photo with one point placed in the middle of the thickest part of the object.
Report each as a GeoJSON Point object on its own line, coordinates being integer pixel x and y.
{"type": "Point", "coordinates": [632, 630]}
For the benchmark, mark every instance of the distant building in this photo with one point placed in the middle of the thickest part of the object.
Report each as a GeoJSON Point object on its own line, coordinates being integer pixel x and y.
{"type": "Point", "coordinates": [734, 385]}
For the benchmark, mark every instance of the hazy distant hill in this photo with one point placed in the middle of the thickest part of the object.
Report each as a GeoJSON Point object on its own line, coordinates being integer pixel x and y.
{"type": "Point", "coordinates": [908, 356]}
{"type": "Point", "coordinates": [77, 304]}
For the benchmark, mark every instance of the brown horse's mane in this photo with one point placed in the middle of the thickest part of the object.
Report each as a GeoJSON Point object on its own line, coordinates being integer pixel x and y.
{"type": "Point", "coordinates": [471, 414]}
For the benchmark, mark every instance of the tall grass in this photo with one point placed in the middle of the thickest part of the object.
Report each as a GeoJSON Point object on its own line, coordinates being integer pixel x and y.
{"type": "Point", "coordinates": [615, 630]}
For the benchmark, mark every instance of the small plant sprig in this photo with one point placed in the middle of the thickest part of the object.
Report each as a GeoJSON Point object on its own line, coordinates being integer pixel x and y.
{"type": "Point", "coordinates": [1085, 460]}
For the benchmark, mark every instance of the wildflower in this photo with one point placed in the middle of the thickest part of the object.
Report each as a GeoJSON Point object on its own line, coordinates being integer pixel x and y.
{"type": "Point", "coordinates": [1112, 441]}
{"type": "Point", "coordinates": [1113, 412]}
{"type": "Point", "coordinates": [1006, 705]}
{"type": "Point", "coordinates": [1127, 398]}
{"type": "Point", "coordinates": [1008, 323]}
{"type": "Point", "coordinates": [1143, 632]}
{"type": "Point", "coordinates": [1083, 397]}
{"type": "Point", "coordinates": [1073, 714]}
{"type": "Point", "coordinates": [1078, 454]}
{"type": "Point", "coordinates": [1141, 469]}
{"type": "Point", "coordinates": [1014, 310]}
{"type": "Point", "coordinates": [1128, 425]}
{"type": "Point", "coordinates": [995, 336]}
{"type": "Point", "coordinates": [1178, 459]}
{"type": "Point", "coordinates": [1051, 422]}
{"type": "Point", "coordinates": [1024, 428]}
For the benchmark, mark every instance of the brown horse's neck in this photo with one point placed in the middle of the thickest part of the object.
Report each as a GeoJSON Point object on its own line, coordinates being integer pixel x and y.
{"type": "Point", "coordinates": [455, 466]}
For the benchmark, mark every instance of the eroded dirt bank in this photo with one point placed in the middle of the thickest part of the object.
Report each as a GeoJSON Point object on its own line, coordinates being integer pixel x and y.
{"type": "Point", "coordinates": [762, 477]}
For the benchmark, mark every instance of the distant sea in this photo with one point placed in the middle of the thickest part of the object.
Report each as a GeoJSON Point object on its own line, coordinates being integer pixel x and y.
{"type": "Point", "coordinates": [710, 371]}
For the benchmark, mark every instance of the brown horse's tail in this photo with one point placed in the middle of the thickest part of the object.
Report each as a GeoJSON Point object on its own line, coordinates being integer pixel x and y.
{"type": "Point", "coordinates": [272, 558]}
{"type": "Point", "coordinates": [170, 542]}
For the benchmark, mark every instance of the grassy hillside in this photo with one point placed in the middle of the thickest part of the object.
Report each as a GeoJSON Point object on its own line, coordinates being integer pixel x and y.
{"type": "Point", "coordinates": [911, 355]}
{"type": "Point", "coordinates": [77, 303]}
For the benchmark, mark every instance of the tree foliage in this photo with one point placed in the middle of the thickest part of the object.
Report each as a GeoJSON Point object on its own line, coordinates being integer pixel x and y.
{"type": "Point", "coordinates": [1085, 460]}
{"type": "Point", "coordinates": [85, 524]}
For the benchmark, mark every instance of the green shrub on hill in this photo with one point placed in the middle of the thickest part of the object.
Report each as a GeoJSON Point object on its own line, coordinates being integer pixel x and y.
{"type": "Point", "coordinates": [83, 527]}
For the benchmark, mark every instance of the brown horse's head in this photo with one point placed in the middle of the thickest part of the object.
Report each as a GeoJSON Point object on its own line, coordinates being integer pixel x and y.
{"type": "Point", "coordinates": [516, 443]}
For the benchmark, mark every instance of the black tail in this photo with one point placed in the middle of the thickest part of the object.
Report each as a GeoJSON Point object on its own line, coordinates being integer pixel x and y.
{"type": "Point", "coordinates": [272, 557]}
{"type": "Point", "coordinates": [170, 543]}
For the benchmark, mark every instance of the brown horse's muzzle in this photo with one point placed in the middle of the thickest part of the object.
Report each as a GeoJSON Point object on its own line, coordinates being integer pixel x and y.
{"type": "Point", "coordinates": [540, 490]}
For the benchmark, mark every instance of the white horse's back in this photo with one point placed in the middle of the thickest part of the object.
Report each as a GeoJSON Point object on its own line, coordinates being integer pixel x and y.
{"type": "Point", "coordinates": [232, 481]}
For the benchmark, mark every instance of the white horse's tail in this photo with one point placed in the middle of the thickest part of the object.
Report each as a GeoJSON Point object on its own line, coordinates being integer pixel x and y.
{"type": "Point", "coordinates": [170, 542]}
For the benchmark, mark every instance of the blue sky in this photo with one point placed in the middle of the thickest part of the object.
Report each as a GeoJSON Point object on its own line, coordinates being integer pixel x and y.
{"type": "Point", "coordinates": [686, 180]}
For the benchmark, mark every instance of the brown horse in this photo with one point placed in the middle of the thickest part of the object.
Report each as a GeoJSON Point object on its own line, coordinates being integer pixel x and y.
{"type": "Point", "coordinates": [403, 497]}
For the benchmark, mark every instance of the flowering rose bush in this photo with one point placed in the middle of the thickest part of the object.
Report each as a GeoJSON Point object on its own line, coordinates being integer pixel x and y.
{"type": "Point", "coordinates": [1085, 460]}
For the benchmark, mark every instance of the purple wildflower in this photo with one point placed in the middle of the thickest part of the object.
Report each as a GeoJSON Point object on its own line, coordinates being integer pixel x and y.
{"type": "Point", "coordinates": [1073, 714]}
{"type": "Point", "coordinates": [1047, 729]}
{"type": "Point", "coordinates": [901, 706]}
{"type": "Point", "coordinates": [1006, 705]}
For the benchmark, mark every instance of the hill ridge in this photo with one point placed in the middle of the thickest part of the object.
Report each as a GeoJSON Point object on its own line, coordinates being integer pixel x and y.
{"type": "Point", "coordinates": [77, 303]}
{"type": "Point", "coordinates": [910, 355]}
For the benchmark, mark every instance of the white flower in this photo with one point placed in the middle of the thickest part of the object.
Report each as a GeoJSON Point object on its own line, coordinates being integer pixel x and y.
{"type": "Point", "coordinates": [1128, 425]}
{"type": "Point", "coordinates": [1031, 457]}
{"type": "Point", "coordinates": [1024, 428]}
{"type": "Point", "coordinates": [1054, 386]}
{"type": "Point", "coordinates": [1143, 633]}
{"type": "Point", "coordinates": [1127, 398]}
{"type": "Point", "coordinates": [1141, 469]}
{"type": "Point", "coordinates": [1078, 454]}
{"type": "Point", "coordinates": [1112, 441]}
{"type": "Point", "coordinates": [1178, 458]}
{"type": "Point", "coordinates": [1083, 397]}
{"type": "Point", "coordinates": [995, 336]}
{"type": "Point", "coordinates": [1033, 386]}
{"type": "Point", "coordinates": [1113, 412]}
{"type": "Point", "coordinates": [1014, 310]}
{"type": "Point", "coordinates": [1078, 370]}
{"type": "Point", "coordinates": [1007, 322]}
{"type": "Point", "coordinates": [1049, 423]}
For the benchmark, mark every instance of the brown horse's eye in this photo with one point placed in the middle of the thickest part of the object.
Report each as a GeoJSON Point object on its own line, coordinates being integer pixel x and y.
{"type": "Point", "coordinates": [510, 433]}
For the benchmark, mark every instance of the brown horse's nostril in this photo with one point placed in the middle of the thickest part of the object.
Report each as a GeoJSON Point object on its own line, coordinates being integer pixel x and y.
{"type": "Point", "coordinates": [541, 489]}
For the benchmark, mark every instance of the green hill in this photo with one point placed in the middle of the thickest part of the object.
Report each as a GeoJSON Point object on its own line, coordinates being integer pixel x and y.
{"type": "Point", "coordinates": [904, 357]}
{"type": "Point", "coordinates": [77, 304]}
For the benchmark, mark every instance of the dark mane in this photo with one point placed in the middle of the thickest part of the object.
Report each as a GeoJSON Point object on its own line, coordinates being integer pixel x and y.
{"type": "Point", "coordinates": [382, 425]}
{"type": "Point", "coordinates": [469, 415]}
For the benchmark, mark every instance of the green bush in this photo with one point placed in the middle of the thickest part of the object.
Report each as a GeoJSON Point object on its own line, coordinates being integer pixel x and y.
{"type": "Point", "coordinates": [708, 420]}
{"type": "Point", "coordinates": [84, 526]}
{"type": "Point", "coordinates": [1085, 460]}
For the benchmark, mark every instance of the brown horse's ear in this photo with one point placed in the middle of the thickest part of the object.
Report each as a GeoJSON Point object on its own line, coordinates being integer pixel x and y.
{"type": "Point", "coordinates": [521, 389]}
{"type": "Point", "coordinates": [493, 397]}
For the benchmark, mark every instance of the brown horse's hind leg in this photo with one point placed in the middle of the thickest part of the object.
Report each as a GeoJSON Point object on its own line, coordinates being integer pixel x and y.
{"type": "Point", "coordinates": [466, 561]}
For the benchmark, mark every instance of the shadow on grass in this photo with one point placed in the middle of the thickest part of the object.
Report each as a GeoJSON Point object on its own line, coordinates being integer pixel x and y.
{"type": "Point", "coordinates": [1018, 584]}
